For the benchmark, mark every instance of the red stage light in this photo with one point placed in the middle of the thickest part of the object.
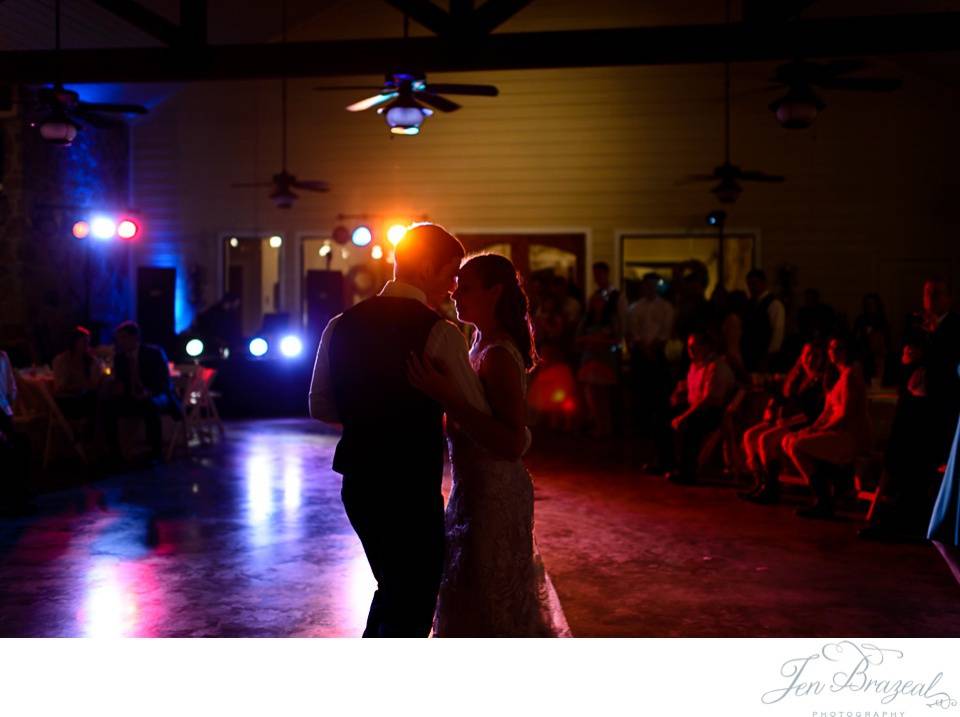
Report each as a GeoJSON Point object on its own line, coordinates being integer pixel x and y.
{"type": "Point", "coordinates": [81, 230]}
{"type": "Point", "coordinates": [127, 229]}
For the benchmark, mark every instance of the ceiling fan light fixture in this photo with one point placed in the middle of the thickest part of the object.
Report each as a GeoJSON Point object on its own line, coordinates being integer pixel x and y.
{"type": "Point", "coordinates": [727, 191]}
{"type": "Point", "coordinates": [797, 109]}
{"type": "Point", "coordinates": [405, 115]}
{"type": "Point", "coordinates": [282, 198]}
{"type": "Point", "coordinates": [58, 129]}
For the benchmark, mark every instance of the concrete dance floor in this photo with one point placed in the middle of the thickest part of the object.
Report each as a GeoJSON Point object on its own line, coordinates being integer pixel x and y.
{"type": "Point", "coordinates": [250, 539]}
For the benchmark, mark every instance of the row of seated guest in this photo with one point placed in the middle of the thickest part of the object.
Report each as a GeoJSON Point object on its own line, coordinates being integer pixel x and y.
{"type": "Point", "coordinates": [139, 386]}
{"type": "Point", "coordinates": [798, 404]}
{"type": "Point", "coordinates": [927, 410]}
{"type": "Point", "coordinates": [838, 437]}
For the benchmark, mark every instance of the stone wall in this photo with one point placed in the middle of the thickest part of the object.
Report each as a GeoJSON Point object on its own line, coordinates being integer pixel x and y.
{"type": "Point", "coordinates": [49, 280]}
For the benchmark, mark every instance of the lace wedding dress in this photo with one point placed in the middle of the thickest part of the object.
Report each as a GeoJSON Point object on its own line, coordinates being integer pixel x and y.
{"type": "Point", "coordinates": [494, 582]}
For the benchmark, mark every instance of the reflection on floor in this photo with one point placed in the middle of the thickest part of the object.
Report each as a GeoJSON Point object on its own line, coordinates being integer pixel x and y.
{"type": "Point", "coordinates": [251, 540]}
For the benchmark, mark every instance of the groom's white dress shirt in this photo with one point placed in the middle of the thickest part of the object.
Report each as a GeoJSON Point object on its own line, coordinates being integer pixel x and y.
{"type": "Point", "coordinates": [445, 343]}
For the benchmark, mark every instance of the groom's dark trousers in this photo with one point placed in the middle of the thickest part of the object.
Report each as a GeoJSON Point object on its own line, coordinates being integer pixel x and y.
{"type": "Point", "coordinates": [391, 458]}
{"type": "Point", "coordinates": [403, 537]}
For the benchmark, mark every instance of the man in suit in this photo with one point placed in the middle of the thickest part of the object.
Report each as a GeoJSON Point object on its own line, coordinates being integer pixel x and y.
{"type": "Point", "coordinates": [141, 387]}
{"type": "Point", "coordinates": [392, 447]}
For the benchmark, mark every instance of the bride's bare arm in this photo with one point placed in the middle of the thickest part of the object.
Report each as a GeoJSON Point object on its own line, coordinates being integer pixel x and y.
{"type": "Point", "coordinates": [503, 433]}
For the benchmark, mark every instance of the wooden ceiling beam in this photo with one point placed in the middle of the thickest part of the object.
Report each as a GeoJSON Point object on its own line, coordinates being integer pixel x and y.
{"type": "Point", "coordinates": [834, 37]}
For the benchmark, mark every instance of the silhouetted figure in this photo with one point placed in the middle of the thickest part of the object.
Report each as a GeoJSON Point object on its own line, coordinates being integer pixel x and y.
{"type": "Point", "coordinates": [871, 337]}
{"type": "Point", "coordinates": [141, 387]}
{"type": "Point", "coordinates": [926, 414]}
{"type": "Point", "coordinates": [392, 448]}
{"type": "Point", "coordinates": [764, 326]}
{"type": "Point", "coordinates": [77, 376]}
{"type": "Point", "coordinates": [649, 327]}
{"type": "Point", "coordinates": [14, 447]}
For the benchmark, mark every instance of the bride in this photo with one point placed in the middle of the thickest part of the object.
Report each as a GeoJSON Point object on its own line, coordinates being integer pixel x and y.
{"type": "Point", "coordinates": [494, 583]}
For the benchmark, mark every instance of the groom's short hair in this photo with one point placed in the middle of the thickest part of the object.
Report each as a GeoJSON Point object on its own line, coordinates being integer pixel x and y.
{"type": "Point", "coordinates": [427, 245]}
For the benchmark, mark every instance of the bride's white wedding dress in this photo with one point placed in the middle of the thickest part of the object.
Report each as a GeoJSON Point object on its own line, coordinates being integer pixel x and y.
{"type": "Point", "coordinates": [494, 582]}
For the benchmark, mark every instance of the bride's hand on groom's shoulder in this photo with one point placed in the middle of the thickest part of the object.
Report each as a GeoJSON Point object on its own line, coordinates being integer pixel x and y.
{"type": "Point", "coordinates": [432, 377]}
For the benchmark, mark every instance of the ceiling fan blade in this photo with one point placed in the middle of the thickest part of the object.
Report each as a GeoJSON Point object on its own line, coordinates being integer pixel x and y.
{"type": "Point", "coordinates": [91, 118]}
{"type": "Point", "coordinates": [450, 89]}
{"type": "Point", "coordinates": [441, 103]}
{"type": "Point", "coordinates": [839, 67]}
{"type": "Point", "coordinates": [110, 107]}
{"type": "Point", "coordinates": [698, 178]}
{"type": "Point", "coordinates": [311, 185]}
{"type": "Point", "coordinates": [371, 102]}
{"type": "Point", "coordinates": [757, 176]}
{"type": "Point", "coordinates": [332, 88]}
{"type": "Point", "coordinates": [862, 84]}
{"type": "Point", "coordinates": [244, 185]}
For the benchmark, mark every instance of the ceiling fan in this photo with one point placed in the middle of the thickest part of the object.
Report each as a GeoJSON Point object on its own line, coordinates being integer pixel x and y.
{"type": "Point", "coordinates": [728, 175]}
{"type": "Point", "coordinates": [404, 96]}
{"type": "Point", "coordinates": [284, 183]}
{"type": "Point", "coordinates": [800, 106]}
{"type": "Point", "coordinates": [64, 113]}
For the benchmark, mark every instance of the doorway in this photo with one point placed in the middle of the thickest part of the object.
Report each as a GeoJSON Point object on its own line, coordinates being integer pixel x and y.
{"type": "Point", "coordinates": [536, 254]}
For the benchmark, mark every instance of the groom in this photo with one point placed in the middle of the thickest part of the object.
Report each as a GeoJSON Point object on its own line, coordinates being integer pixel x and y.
{"type": "Point", "coordinates": [392, 447]}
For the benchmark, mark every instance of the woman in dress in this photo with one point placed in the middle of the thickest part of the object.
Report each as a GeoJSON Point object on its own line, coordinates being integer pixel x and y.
{"type": "Point", "coordinates": [494, 582]}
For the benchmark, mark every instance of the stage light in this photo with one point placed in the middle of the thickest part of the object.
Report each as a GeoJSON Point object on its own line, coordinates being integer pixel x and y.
{"type": "Point", "coordinates": [716, 218]}
{"type": "Point", "coordinates": [258, 346]}
{"type": "Point", "coordinates": [234, 242]}
{"type": "Point", "coordinates": [194, 347]}
{"type": "Point", "coordinates": [291, 346]}
{"type": "Point", "coordinates": [127, 229]}
{"type": "Point", "coordinates": [81, 230]}
{"type": "Point", "coordinates": [377, 252]}
{"type": "Point", "coordinates": [276, 242]}
{"type": "Point", "coordinates": [396, 233]}
{"type": "Point", "coordinates": [361, 235]}
{"type": "Point", "coordinates": [103, 228]}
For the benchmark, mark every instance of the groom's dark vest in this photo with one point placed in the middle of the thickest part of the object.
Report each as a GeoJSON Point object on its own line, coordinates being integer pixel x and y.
{"type": "Point", "coordinates": [392, 433]}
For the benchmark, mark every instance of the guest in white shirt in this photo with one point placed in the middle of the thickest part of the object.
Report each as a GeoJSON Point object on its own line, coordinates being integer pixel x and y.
{"type": "Point", "coordinates": [701, 400]}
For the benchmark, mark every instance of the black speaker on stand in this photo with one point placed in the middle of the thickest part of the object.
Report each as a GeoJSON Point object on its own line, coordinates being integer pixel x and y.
{"type": "Point", "coordinates": [156, 294]}
{"type": "Point", "coordinates": [324, 299]}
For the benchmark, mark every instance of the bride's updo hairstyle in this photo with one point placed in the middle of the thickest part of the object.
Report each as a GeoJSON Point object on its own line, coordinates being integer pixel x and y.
{"type": "Point", "coordinates": [512, 310]}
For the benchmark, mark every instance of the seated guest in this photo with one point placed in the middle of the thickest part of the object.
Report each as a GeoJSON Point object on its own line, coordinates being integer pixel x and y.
{"type": "Point", "coordinates": [77, 374]}
{"type": "Point", "coordinates": [797, 406]}
{"type": "Point", "coordinates": [14, 448]}
{"type": "Point", "coordinates": [701, 400]}
{"type": "Point", "coordinates": [141, 387]}
{"type": "Point", "coordinates": [839, 435]}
